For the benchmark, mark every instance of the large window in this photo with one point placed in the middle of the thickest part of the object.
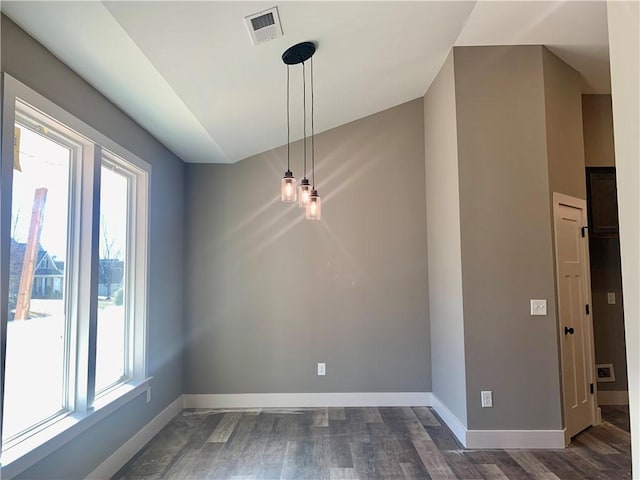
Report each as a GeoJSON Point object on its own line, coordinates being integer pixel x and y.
{"type": "Point", "coordinates": [38, 328]}
{"type": "Point", "coordinates": [74, 280]}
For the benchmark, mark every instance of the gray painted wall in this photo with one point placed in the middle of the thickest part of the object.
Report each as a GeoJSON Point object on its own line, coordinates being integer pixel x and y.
{"type": "Point", "coordinates": [608, 320]}
{"type": "Point", "coordinates": [269, 294]}
{"type": "Point", "coordinates": [563, 115]}
{"type": "Point", "coordinates": [597, 116]}
{"type": "Point", "coordinates": [507, 244]}
{"type": "Point", "coordinates": [29, 62]}
{"type": "Point", "coordinates": [443, 231]}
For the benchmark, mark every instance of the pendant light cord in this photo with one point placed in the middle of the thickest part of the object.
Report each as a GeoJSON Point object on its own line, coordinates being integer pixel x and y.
{"type": "Point", "coordinates": [288, 127]}
{"type": "Point", "coordinates": [313, 160]}
{"type": "Point", "coordinates": [304, 115]}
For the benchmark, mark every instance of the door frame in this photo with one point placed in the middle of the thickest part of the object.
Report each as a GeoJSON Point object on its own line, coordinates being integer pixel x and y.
{"type": "Point", "coordinates": [578, 203]}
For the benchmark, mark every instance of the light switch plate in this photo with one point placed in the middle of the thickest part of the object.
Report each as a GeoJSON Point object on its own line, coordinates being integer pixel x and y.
{"type": "Point", "coordinates": [611, 298]}
{"type": "Point", "coordinates": [538, 307]}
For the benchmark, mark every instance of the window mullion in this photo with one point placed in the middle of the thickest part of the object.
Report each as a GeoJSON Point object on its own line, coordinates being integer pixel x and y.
{"type": "Point", "coordinates": [140, 255]}
{"type": "Point", "coordinates": [88, 279]}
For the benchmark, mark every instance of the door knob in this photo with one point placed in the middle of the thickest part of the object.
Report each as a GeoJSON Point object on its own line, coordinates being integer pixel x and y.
{"type": "Point", "coordinates": [568, 330]}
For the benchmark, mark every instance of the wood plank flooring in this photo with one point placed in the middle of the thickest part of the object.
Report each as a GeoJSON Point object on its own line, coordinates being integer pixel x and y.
{"type": "Point", "coordinates": [363, 443]}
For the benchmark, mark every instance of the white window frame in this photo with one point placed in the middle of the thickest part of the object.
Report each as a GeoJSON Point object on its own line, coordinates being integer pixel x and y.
{"type": "Point", "coordinates": [34, 121]}
{"type": "Point", "coordinates": [84, 407]}
{"type": "Point", "coordinates": [135, 266]}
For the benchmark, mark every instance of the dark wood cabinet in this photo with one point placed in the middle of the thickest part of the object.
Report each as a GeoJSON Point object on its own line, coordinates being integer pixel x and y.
{"type": "Point", "coordinates": [602, 203]}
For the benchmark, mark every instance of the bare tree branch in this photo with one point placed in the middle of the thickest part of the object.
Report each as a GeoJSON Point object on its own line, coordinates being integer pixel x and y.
{"type": "Point", "coordinates": [109, 257]}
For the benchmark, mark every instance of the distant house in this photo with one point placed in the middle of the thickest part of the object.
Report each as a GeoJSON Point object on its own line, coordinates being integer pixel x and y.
{"type": "Point", "coordinates": [48, 278]}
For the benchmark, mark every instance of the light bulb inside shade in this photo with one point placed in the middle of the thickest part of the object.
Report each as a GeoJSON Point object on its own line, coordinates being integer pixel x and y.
{"type": "Point", "coordinates": [313, 207]}
{"type": "Point", "coordinates": [303, 194]}
{"type": "Point", "coordinates": [288, 189]}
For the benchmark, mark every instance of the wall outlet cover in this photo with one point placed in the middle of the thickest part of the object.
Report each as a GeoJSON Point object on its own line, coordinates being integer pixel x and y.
{"type": "Point", "coordinates": [538, 307]}
{"type": "Point", "coordinates": [321, 369]}
{"type": "Point", "coordinates": [486, 398]}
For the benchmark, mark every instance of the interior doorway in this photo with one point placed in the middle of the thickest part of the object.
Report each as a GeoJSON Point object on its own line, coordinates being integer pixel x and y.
{"type": "Point", "coordinates": [606, 286]}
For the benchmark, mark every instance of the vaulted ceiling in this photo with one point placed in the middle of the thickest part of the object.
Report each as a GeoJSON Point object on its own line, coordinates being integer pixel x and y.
{"type": "Point", "coordinates": [189, 73]}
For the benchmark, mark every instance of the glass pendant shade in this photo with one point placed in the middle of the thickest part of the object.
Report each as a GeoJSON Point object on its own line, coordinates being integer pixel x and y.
{"type": "Point", "coordinates": [304, 193]}
{"type": "Point", "coordinates": [288, 192]}
{"type": "Point", "coordinates": [314, 206]}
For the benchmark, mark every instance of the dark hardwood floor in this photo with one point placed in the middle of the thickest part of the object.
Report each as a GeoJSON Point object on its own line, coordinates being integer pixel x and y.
{"type": "Point", "coordinates": [618, 415]}
{"type": "Point", "coordinates": [363, 443]}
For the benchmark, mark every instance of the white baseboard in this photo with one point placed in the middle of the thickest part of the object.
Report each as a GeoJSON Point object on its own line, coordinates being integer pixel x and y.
{"type": "Point", "coordinates": [509, 439]}
{"type": "Point", "coordinates": [122, 455]}
{"type": "Point", "coordinates": [613, 397]}
{"type": "Point", "coordinates": [533, 439]}
{"type": "Point", "coordinates": [453, 422]}
{"type": "Point", "coordinates": [308, 400]}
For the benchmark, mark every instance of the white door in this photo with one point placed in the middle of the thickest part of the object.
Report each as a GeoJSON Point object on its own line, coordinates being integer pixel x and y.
{"type": "Point", "coordinates": [574, 305]}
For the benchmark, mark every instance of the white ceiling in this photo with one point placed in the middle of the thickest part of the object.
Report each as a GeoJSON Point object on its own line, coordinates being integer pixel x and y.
{"type": "Point", "coordinates": [190, 75]}
{"type": "Point", "coordinates": [574, 31]}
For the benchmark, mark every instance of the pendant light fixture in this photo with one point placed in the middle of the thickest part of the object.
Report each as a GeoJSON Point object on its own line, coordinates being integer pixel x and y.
{"type": "Point", "coordinates": [313, 206]}
{"type": "Point", "coordinates": [307, 195]}
{"type": "Point", "coordinates": [288, 186]}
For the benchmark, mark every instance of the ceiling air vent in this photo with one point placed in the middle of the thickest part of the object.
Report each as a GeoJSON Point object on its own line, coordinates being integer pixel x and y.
{"type": "Point", "coordinates": [264, 26]}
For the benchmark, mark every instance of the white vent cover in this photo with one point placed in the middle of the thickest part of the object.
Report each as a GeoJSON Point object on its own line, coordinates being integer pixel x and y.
{"type": "Point", "coordinates": [264, 26]}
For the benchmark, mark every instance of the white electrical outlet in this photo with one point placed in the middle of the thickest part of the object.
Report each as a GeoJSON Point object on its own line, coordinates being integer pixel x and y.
{"type": "Point", "coordinates": [487, 398]}
{"type": "Point", "coordinates": [538, 307]}
{"type": "Point", "coordinates": [148, 393]}
{"type": "Point", "coordinates": [321, 369]}
{"type": "Point", "coordinates": [611, 298]}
